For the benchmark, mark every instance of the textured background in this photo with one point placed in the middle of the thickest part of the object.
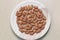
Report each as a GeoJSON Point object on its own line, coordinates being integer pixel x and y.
{"type": "Point", "coordinates": [6, 7]}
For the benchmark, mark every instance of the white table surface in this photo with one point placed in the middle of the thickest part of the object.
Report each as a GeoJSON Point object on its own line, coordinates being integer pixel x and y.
{"type": "Point", "coordinates": [6, 7]}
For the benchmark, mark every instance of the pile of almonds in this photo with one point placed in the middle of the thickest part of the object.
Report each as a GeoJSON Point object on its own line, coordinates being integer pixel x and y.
{"type": "Point", "coordinates": [30, 19]}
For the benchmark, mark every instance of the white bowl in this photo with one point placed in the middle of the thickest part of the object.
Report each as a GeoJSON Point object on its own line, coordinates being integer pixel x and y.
{"type": "Point", "coordinates": [14, 24]}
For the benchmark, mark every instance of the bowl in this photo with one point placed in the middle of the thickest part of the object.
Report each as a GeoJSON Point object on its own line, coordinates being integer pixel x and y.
{"type": "Point", "coordinates": [14, 25]}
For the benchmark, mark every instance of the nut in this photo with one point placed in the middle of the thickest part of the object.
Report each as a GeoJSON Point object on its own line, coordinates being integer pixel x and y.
{"type": "Point", "coordinates": [30, 19]}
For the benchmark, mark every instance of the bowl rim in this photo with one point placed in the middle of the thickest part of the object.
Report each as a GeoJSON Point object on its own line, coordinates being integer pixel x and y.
{"type": "Point", "coordinates": [15, 30]}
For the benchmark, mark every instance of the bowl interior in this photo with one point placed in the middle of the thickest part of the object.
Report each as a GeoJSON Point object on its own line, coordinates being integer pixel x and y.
{"type": "Point", "coordinates": [14, 24]}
